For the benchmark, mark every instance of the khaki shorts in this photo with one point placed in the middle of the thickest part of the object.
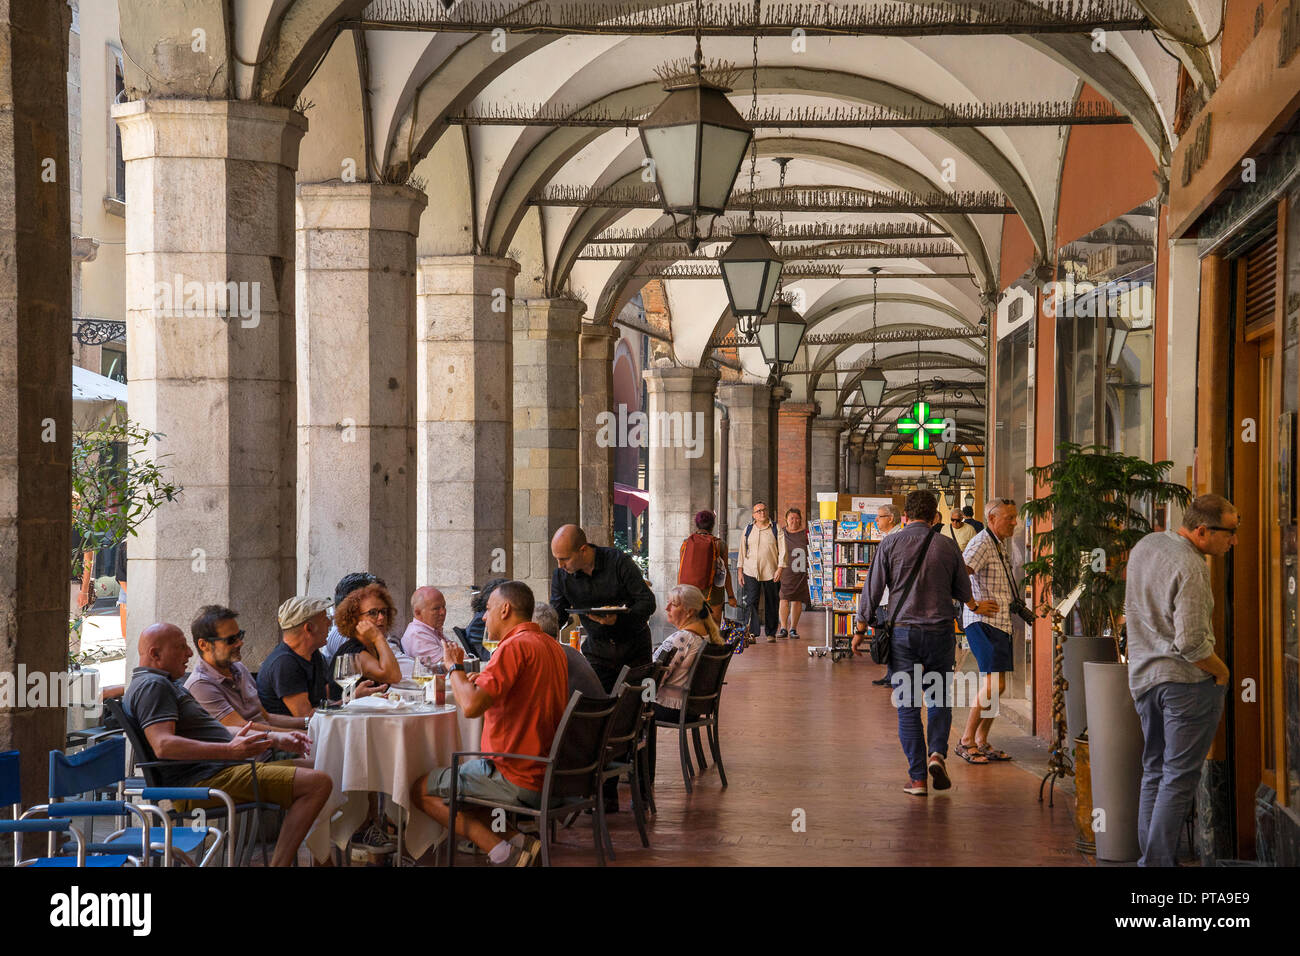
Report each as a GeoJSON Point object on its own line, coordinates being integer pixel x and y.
{"type": "Point", "coordinates": [274, 785]}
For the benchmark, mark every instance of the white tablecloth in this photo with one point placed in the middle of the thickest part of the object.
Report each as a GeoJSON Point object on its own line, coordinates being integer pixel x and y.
{"type": "Point", "coordinates": [365, 753]}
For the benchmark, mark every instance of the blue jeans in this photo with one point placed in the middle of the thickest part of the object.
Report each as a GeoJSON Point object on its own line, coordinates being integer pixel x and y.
{"type": "Point", "coordinates": [1178, 725]}
{"type": "Point", "coordinates": [935, 649]}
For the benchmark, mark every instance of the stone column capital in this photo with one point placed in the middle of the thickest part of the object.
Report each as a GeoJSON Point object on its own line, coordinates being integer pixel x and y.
{"type": "Point", "coordinates": [835, 425]}
{"type": "Point", "coordinates": [856, 442]}
{"type": "Point", "coordinates": [681, 379]}
{"type": "Point", "coordinates": [210, 129]}
{"type": "Point", "coordinates": [549, 316]}
{"type": "Point", "coordinates": [382, 206]}
{"type": "Point", "coordinates": [467, 275]}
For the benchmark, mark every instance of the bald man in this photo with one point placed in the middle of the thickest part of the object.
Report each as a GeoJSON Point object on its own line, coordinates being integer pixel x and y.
{"type": "Point", "coordinates": [178, 728]}
{"type": "Point", "coordinates": [423, 637]}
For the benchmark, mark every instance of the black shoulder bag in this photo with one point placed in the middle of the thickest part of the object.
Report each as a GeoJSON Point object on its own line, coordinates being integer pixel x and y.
{"type": "Point", "coordinates": [883, 638]}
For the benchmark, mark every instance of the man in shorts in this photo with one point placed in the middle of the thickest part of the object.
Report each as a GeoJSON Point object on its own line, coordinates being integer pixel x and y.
{"type": "Point", "coordinates": [179, 729]}
{"type": "Point", "coordinates": [521, 695]}
{"type": "Point", "coordinates": [988, 562]}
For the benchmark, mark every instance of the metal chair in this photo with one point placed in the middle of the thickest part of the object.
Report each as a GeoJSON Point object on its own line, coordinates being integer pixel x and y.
{"type": "Point", "coordinates": [621, 751]}
{"type": "Point", "coordinates": [103, 767]}
{"type": "Point", "coordinates": [11, 793]}
{"type": "Point", "coordinates": [572, 779]}
{"type": "Point", "coordinates": [700, 709]}
{"type": "Point", "coordinates": [653, 672]}
{"type": "Point", "coordinates": [237, 852]}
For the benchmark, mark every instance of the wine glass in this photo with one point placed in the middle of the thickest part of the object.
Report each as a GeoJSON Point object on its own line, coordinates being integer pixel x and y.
{"type": "Point", "coordinates": [347, 671]}
{"type": "Point", "coordinates": [423, 671]}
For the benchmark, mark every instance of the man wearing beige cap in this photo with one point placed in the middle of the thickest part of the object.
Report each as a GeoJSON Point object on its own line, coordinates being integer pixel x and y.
{"type": "Point", "coordinates": [293, 679]}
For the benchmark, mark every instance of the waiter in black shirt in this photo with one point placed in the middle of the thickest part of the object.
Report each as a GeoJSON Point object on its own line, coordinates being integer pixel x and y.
{"type": "Point", "coordinates": [589, 577]}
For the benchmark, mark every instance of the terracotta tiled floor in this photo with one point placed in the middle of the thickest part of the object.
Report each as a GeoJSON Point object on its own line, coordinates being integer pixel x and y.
{"type": "Point", "coordinates": [805, 734]}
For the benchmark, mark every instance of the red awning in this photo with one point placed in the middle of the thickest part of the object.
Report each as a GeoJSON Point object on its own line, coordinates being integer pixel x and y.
{"type": "Point", "coordinates": [634, 499]}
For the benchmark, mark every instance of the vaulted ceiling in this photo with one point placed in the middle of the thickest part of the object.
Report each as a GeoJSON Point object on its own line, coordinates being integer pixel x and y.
{"type": "Point", "coordinates": [395, 94]}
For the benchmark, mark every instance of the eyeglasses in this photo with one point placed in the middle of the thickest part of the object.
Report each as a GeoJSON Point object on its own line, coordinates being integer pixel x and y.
{"type": "Point", "coordinates": [1215, 527]}
{"type": "Point", "coordinates": [232, 639]}
{"type": "Point", "coordinates": [375, 613]}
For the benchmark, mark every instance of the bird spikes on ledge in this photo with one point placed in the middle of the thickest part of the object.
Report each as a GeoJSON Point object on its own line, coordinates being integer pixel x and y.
{"type": "Point", "coordinates": [803, 231]}
{"type": "Point", "coordinates": [720, 73]}
{"type": "Point", "coordinates": [926, 115]}
{"type": "Point", "coordinates": [833, 250]}
{"type": "Point", "coordinates": [791, 199]}
{"type": "Point", "coordinates": [987, 17]}
{"type": "Point", "coordinates": [824, 270]}
{"type": "Point", "coordinates": [729, 340]}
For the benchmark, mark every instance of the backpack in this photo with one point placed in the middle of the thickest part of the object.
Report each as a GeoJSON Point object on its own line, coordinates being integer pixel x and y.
{"type": "Point", "coordinates": [698, 562]}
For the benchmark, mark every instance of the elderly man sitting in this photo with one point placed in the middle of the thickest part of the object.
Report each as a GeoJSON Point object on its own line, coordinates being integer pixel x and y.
{"type": "Point", "coordinates": [179, 729]}
{"type": "Point", "coordinates": [423, 637]}
{"type": "Point", "coordinates": [521, 694]}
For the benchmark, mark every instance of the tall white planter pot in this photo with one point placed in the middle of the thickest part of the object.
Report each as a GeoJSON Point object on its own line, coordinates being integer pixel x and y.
{"type": "Point", "coordinates": [1115, 753]}
{"type": "Point", "coordinates": [1076, 651]}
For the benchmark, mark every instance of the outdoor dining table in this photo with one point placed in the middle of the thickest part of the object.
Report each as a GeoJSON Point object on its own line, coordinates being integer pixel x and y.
{"type": "Point", "coordinates": [373, 747]}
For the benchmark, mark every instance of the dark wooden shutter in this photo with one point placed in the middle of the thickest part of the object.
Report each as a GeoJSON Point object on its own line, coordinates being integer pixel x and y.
{"type": "Point", "coordinates": [1259, 292]}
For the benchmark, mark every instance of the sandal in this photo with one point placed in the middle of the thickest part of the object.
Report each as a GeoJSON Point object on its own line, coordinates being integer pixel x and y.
{"type": "Point", "coordinates": [993, 754]}
{"type": "Point", "coordinates": [970, 754]}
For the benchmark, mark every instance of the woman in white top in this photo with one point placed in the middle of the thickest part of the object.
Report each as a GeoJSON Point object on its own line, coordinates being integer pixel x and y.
{"type": "Point", "coordinates": [690, 615]}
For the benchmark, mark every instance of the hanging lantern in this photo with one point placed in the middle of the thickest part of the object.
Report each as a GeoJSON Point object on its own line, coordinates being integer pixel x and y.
{"type": "Point", "coordinates": [781, 334]}
{"type": "Point", "coordinates": [696, 141]}
{"type": "Point", "coordinates": [942, 449]}
{"type": "Point", "coordinates": [751, 271]}
{"type": "Point", "coordinates": [922, 484]}
{"type": "Point", "coordinates": [954, 468]}
{"type": "Point", "coordinates": [872, 385]}
{"type": "Point", "coordinates": [945, 480]}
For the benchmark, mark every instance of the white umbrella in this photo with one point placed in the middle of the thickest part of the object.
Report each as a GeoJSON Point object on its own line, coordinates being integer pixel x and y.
{"type": "Point", "coordinates": [94, 398]}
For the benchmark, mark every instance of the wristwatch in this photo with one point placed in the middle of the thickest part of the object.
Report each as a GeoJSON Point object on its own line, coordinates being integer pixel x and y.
{"type": "Point", "coordinates": [457, 667]}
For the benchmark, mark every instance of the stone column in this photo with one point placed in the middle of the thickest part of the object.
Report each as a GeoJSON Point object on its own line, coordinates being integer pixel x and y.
{"type": "Point", "coordinates": [356, 384]}
{"type": "Point", "coordinates": [681, 463]}
{"type": "Point", "coordinates": [35, 373]}
{"type": "Point", "coordinates": [595, 458]}
{"type": "Point", "coordinates": [870, 468]}
{"type": "Point", "coordinates": [546, 432]}
{"type": "Point", "coordinates": [856, 441]}
{"type": "Point", "coordinates": [794, 457]}
{"type": "Point", "coordinates": [779, 394]}
{"type": "Point", "coordinates": [825, 459]}
{"type": "Point", "coordinates": [750, 443]}
{"type": "Point", "coordinates": [464, 423]}
{"type": "Point", "coordinates": [210, 345]}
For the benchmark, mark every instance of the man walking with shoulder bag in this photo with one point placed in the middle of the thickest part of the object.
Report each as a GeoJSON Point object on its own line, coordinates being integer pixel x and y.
{"type": "Point", "coordinates": [924, 573]}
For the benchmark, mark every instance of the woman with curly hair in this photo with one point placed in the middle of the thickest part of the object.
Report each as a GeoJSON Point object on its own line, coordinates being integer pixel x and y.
{"type": "Point", "coordinates": [365, 617]}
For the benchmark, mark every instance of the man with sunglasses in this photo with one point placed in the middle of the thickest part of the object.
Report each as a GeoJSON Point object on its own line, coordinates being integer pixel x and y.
{"type": "Point", "coordinates": [1177, 680]}
{"type": "Point", "coordinates": [221, 682]}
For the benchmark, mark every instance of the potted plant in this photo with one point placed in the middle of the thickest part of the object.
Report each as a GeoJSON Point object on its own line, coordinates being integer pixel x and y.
{"type": "Point", "coordinates": [1099, 505]}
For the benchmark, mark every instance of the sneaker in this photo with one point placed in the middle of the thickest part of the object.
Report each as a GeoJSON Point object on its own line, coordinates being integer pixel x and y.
{"type": "Point", "coordinates": [939, 773]}
{"type": "Point", "coordinates": [794, 635]}
{"type": "Point", "coordinates": [916, 788]}
{"type": "Point", "coordinates": [771, 638]}
{"type": "Point", "coordinates": [883, 682]}
{"type": "Point", "coordinates": [782, 633]}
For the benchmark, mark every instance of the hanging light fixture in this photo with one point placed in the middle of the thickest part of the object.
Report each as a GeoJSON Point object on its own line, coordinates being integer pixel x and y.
{"type": "Point", "coordinates": [954, 467]}
{"type": "Point", "coordinates": [922, 484]}
{"type": "Point", "coordinates": [696, 142]}
{"type": "Point", "coordinates": [780, 336]}
{"type": "Point", "coordinates": [751, 267]}
{"type": "Point", "coordinates": [945, 480]}
{"type": "Point", "coordinates": [872, 382]}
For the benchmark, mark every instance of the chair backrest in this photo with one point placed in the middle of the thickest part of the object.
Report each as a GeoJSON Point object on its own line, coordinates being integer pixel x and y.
{"type": "Point", "coordinates": [578, 752]}
{"type": "Point", "coordinates": [635, 675]}
{"type": "Point", "coordinates": [11, 791]}
{"type": "Point", "coordinates": [626, 722]}
{"type": "Point", "coordinates": [103, 765]}
{"type": "Point", "coordinates": [708, 673]}
{"type": "Point", "coordinates": [139, 742]}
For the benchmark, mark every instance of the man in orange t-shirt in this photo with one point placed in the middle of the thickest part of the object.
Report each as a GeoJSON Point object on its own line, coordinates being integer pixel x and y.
{"type": "Point", "coordinates": [521, 695]}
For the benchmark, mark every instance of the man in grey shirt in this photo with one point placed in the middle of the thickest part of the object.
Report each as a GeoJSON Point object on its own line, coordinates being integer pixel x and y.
{"type": "Point", "coordinates": [924, 636]}
{"type": "Point", "coordinates": [1176, 679]}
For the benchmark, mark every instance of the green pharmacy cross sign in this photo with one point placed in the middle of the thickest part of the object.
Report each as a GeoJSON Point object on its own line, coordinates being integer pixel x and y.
{"type": "Point", "coordinates": [919, 425]}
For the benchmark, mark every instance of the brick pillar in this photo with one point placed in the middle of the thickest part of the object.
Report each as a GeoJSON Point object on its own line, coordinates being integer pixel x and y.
{"type": "Point", "coordinates": [794, 457]}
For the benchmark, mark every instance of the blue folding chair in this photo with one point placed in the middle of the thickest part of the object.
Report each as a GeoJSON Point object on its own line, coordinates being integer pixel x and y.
{"type": "Point", "coordinates": [11, 793]}
{"type": "Point", "coordinates": [239, 840]}
{"type": "Point", "coordinates": [103, 767]}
